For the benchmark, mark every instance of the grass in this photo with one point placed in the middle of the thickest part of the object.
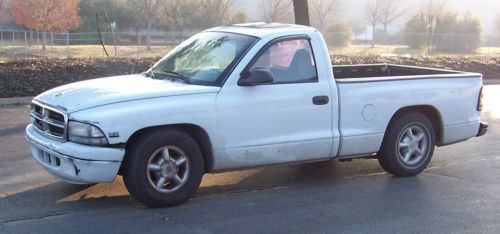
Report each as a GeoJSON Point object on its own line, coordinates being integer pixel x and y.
{"type": "Point", "coordinates": [83, 51]}
{"type": "Point", "coordinates": [96, 51]}
{"type": "Point", "coordinates": [401, 50]}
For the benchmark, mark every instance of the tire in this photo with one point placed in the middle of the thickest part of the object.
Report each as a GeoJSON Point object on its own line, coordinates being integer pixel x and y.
{"type": "Point", "coordinates": [408, 145]}
{"type": "Point", "coordinates": [163, 168]}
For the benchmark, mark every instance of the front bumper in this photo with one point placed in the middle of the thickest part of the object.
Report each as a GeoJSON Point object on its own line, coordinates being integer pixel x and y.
{"type": "Point", "coordinates": [75, 163]}
{"type": "Point", "coordinates": [483, 128]}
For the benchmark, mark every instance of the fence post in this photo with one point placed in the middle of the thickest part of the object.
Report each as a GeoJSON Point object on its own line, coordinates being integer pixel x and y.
{"type": "Point", "coordinates": [25, 43]}
{"type": "Point", "coordinates": [67, 44]}
{"type": "Point", "coordinates": [51, 40]}
{"type": "Point", "coordinates": [139, 42]}
{"type": "Point", "coordinates": [13, 37]}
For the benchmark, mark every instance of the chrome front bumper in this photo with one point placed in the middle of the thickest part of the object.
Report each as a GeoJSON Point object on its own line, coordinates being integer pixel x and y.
{"type": "Point", "coordinates": [75, 163]}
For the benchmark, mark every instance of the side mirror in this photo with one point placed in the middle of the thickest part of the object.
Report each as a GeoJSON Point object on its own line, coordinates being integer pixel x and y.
{"type": "Point", "coordinates": [256, 77]}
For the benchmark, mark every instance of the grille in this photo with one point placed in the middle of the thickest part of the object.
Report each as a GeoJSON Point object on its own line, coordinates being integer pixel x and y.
{"type": "Point", "coordinates": [48, 120]}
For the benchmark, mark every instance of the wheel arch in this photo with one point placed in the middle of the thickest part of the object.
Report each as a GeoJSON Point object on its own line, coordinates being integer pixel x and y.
{"type": "Point", "coordinates": [198, 133]}
{"type": "Point", "coordinates": [429, 111]}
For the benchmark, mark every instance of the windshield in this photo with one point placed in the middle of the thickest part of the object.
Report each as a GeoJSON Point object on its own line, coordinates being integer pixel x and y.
{"type": "Point", "coordinates": [203, 59]}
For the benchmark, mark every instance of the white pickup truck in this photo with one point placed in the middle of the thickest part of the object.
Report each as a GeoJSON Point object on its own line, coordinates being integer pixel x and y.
{"type": "Point", "coordinates": [242, 96]}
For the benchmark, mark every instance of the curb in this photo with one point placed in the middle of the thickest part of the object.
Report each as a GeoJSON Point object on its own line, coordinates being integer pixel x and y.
{"type": "Point", "coordinates": [15, 101]}
{"type": "Point", "coordinates": [491, 81]}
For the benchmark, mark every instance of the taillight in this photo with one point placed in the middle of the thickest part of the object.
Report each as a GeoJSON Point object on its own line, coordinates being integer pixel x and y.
{"type": "Point", "coordinates": [480, 100]}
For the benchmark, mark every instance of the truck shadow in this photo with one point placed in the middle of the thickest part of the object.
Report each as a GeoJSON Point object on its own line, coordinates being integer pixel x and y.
{"type": "Point", "coordinates": [61, 197]}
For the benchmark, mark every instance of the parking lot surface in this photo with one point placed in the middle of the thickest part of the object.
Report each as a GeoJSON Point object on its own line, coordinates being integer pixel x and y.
{"type": "Point", "coordinates": [459, 192]}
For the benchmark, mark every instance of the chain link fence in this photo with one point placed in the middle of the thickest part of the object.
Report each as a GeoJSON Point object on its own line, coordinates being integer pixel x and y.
{"type": "Point", "coordinates": [412, 44]}
{"type": "Point", "coordinates": [52, 44]}
{"type": "Point", "coordinates": [14, 43]}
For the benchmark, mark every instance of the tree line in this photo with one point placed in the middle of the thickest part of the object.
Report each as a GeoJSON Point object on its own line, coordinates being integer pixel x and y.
{"type": "Point", "coordinates": [428, 26]}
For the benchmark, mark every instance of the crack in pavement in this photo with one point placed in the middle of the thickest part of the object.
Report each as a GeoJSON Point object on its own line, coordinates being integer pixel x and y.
{"type": "Point", "coordinates": [11, 201]}
{"type": "Point", "coordinates": [446, 176]}
{"type": "Point", "coordinates": [456, 163]}
{"type": "Point", "coordinates": [7, 197]}
{"type": "Point", "coordinates": [33, 218]}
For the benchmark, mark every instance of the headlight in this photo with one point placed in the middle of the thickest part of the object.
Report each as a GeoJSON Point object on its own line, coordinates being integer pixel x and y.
{"type": "Point", "coordinates": [86, 134]}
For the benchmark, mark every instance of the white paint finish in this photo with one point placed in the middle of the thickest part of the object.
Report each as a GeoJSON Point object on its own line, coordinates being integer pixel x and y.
{"type": "Point", "coordinates": [455, 99]}
{"type": "Point", "coordinates": [268, 115]}
{"type": "Point", "coordinates": [261, 30]}
{"type": "Point", "coordinates": [126, 118]}
{"type": "Point", "coordinates": [75, 170]}
{"type": "Point", "coordinates": [96, 92]}
{"type": "Point", "coordinates": [369, 112]}
{"type": "Point", "coordinates": [263, 119]}
{"type": "Point", "coordinates": [267, 124]}
{"type": "Point", "coordinates": [297, 151]}
{"type": "Point", "coordinates": [459, 132]}
{"type": "Point", "coordinates": [360, 145]}
{"type": "Point", "coordinates": [75, 150]}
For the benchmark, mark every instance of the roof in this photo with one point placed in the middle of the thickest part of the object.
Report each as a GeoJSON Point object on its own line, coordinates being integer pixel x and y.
{"type": "Point", "coordinates": [262, 29]}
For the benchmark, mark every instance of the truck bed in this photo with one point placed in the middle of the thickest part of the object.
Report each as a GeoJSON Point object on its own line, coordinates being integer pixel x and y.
{"type": "Point", "coordinates": [375, 72]}
{"type": "Point", "coordinates": [369, 95]}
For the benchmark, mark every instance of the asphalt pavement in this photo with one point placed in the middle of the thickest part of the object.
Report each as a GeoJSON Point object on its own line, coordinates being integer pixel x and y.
{"type": "Point", "coordinates": [459, 192]}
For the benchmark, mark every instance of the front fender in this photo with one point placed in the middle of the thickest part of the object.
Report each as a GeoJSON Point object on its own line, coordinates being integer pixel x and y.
{"type": "Point", "coordinates": [120, 120]}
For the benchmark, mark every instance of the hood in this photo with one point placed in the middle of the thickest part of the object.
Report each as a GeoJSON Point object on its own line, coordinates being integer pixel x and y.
{"type": "Point", "coordinates": [97, 92]}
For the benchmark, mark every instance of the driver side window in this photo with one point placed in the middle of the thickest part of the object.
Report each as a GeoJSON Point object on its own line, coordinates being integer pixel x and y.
{"type": "Point", "coordinates": [290, 61]}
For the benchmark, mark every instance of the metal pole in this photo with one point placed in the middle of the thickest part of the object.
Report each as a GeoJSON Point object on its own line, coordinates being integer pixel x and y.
{"type": "Point", "coordinates": [25, 43]}
{"type": "Point", "coordinates": [67, 44]}
{"type": "Point", "coordinates": [139, 42]}
{"type": "Point", "coordinates": [51, 40]}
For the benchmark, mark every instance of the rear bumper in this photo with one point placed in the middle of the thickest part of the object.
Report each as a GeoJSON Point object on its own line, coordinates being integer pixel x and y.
{"type": "Point", "coordinates": [483, 128]}
{"type": "Point", "coordinates": [74, 163]}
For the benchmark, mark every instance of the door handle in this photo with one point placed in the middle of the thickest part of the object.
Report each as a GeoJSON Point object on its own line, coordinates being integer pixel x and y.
{"type": "Point", "coordinates": [321, 100]}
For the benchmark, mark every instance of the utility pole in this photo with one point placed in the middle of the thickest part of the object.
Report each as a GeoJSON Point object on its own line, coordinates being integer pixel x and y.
{"type": "Point", "coordinates": [301, 11]}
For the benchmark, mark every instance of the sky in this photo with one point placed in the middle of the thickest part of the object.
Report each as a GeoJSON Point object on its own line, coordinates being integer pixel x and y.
{"type": "Point", "coordinates": [355, 10]}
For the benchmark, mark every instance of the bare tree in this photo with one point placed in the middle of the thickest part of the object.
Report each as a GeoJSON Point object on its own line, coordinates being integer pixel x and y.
{"type": "Point", "coordinates": [431, 11]}
{"type": "Point", "coordinates": [150, 8]}
{"type": "Point", "coordinates": [276, 10]}
{"type": "Point", "coordinates": [215, 12]}
{"type": "Point", "coordinates": [173, 13]}
{"type": "Point", "coordinates": [374, 16]}
{"type": "Point", "coordinates": [390, 12]}
{"type": "Point", "coordinates": [324, 11]}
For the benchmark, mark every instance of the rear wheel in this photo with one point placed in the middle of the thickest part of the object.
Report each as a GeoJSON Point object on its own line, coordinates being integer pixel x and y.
{"type": "Point", "coordinates": [163, 168]}
{"type": "Point", "coordinates": [408, 145]}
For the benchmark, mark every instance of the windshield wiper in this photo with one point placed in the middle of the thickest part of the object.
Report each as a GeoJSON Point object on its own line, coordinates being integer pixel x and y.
{"type": "Point", "coordinates": [150, 74]}
{"type": "Point", "coordinates": [177, 75]}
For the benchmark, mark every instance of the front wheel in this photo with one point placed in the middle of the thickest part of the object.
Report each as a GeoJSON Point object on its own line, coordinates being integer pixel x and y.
{"type": "Point", "coordinates": [163, 168]}
{"type": "Point", "coordinates": [408, 145]}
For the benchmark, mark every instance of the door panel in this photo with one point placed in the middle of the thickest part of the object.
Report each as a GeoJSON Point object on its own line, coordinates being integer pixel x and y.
{"type": "Point", "coordinates": [263, 119]}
